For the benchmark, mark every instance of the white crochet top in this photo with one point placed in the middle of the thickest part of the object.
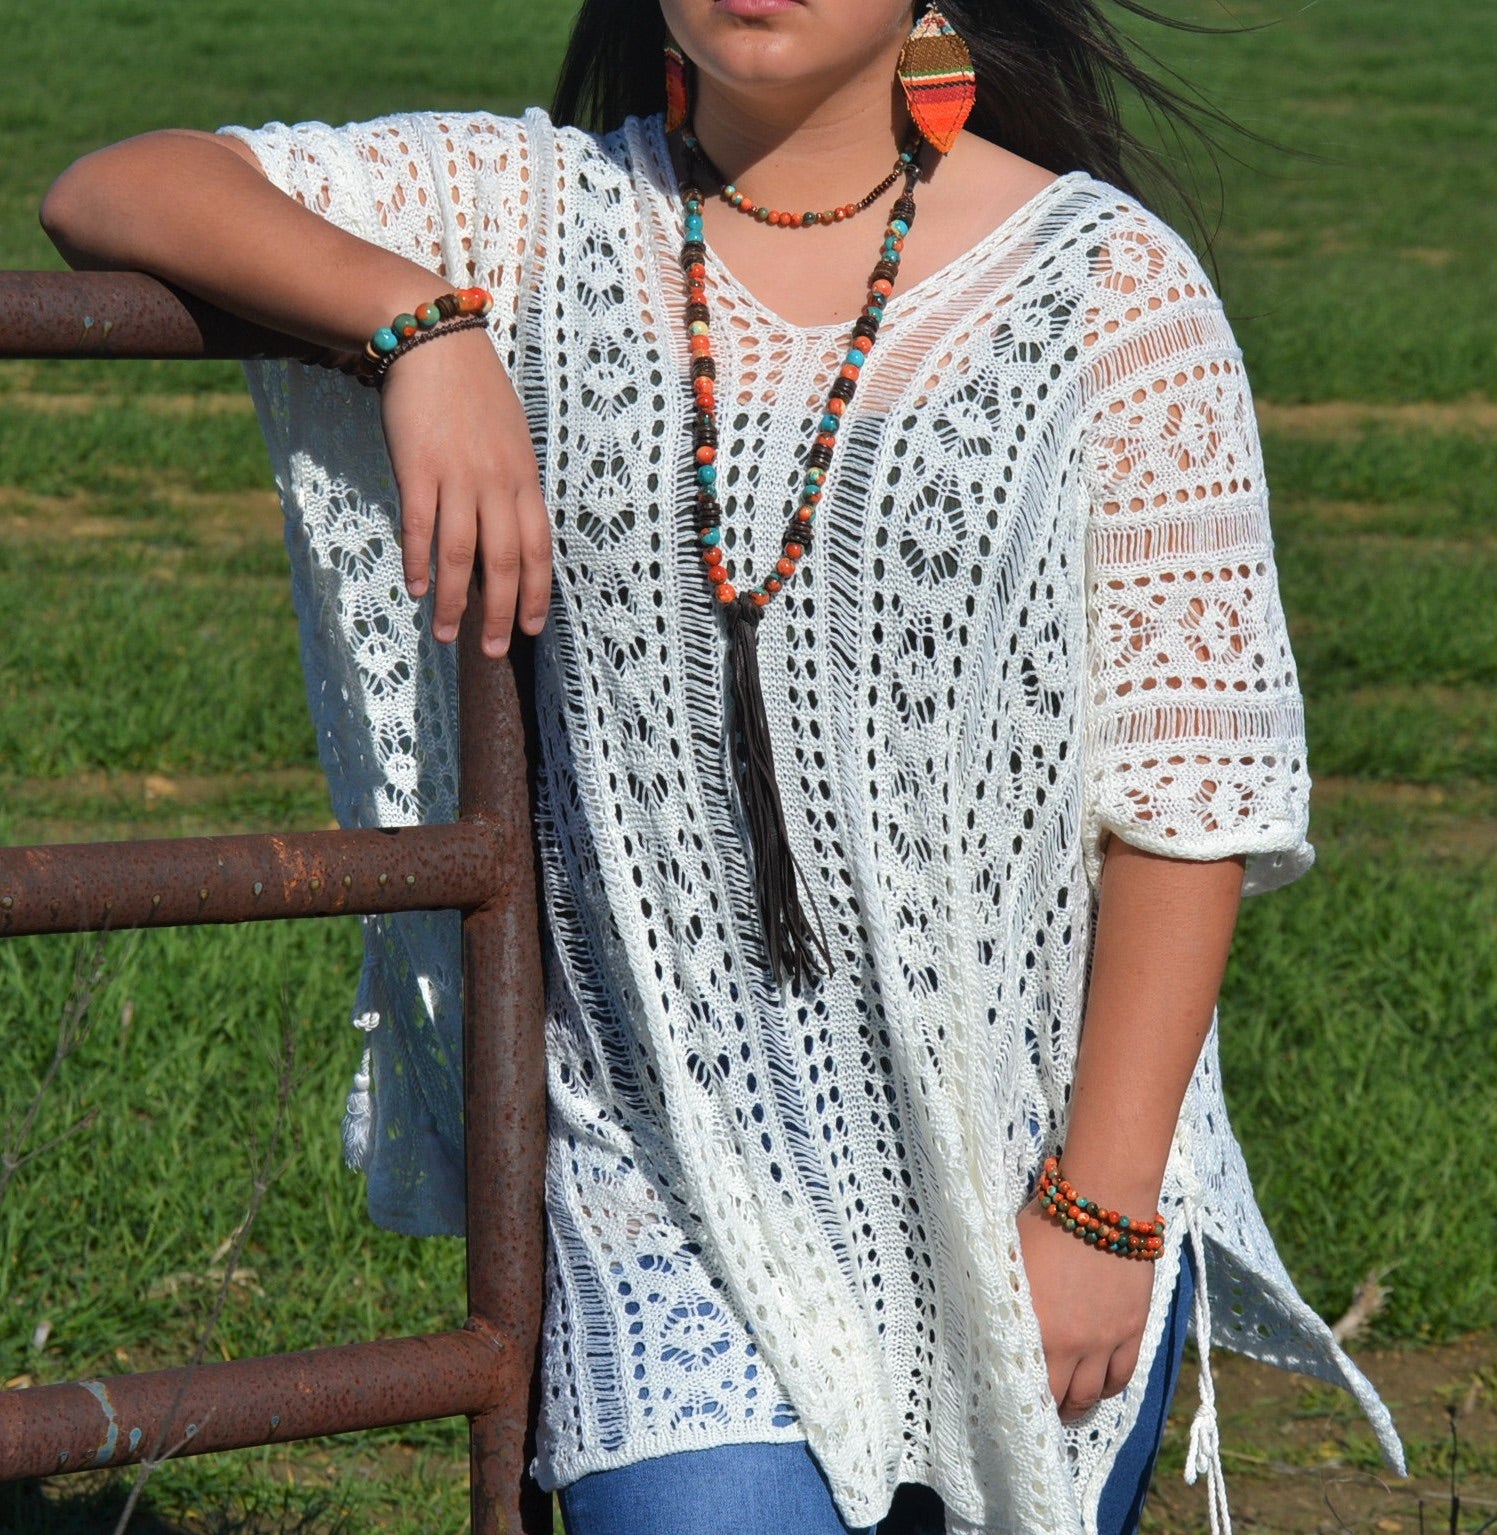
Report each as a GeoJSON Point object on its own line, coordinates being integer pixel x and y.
{"type": "Point", "coordinates": [1042, 607]}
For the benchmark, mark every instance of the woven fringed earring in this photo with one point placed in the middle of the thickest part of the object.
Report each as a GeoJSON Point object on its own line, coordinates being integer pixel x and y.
{"type": "Point", "coordinates": [939, 83]}
{"type": "Point", "coordinates": [675, 87]}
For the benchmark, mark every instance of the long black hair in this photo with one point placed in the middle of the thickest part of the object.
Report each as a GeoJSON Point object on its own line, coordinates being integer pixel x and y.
{"type": "Point", "coordinates": [1051, 75]}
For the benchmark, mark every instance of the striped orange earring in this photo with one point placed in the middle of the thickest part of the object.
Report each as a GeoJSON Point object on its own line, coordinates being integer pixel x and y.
{"type": "Point", "coordinates": [935, 69]}
{"type": "Point", "coordinates": [675, 87]}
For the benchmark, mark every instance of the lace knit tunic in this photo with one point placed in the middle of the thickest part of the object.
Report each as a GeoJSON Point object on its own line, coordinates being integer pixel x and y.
{"type": "Point", "coordinates": [1042, 608]}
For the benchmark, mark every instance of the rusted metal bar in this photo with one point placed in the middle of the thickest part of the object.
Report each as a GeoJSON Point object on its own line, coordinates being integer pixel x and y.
{"type": "Point", "coordinates": [125, 314]}
{"type": "Point", "coordinates": [122, 1419]}
{"type": "Point", "coordinates": [505, 1092]}
{"type": "Point", "coordinates": [484, 866]}
{"type": "Point", "coordinates": [88, 887]}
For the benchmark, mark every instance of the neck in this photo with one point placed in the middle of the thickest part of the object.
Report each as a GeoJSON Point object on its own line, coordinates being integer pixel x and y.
{"type": "Point", "coordinates": [804, 153]}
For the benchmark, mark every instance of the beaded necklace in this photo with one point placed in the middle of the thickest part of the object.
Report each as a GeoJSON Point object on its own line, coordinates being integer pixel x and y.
{"type": "Point", "coordinates": [781, 220]}
{"type": "Point", "coordinates": [792, 944]}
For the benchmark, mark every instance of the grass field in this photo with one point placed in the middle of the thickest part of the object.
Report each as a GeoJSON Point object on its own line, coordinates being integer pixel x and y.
{"type": "Point", "coordinates": [149, 686]}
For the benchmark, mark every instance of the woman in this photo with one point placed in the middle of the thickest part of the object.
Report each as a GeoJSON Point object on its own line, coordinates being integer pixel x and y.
{"type": "Point", "coordinates": [916, 707]}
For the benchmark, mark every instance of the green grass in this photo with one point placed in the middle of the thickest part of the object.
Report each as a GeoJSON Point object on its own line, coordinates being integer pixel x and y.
{"type": "Point", "coordinates": [150, 687]}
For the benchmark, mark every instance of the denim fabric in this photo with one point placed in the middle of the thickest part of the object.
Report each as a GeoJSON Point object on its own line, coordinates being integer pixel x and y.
{"type": "Point", "coordinates": [778, 1489]}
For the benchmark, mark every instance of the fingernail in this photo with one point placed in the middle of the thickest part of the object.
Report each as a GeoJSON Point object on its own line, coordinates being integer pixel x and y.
{"type": "Point", "coordinates": [417, 588]}
{"type": "Point", "coordinates": [446, 633]}
{"type": "Point", "coordinates": [494, 648]}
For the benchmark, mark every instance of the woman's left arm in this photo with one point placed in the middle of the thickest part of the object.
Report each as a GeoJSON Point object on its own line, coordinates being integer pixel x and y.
{"type": "Point", "coordinates": [1163, 932]}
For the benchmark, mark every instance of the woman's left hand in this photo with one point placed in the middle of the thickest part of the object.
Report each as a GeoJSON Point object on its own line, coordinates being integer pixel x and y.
{"type": "Point", "coordinates": [1091, 1307]}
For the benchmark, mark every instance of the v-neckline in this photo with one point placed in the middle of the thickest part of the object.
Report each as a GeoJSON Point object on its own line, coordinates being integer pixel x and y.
{"type": "Point", "coordinates": [981, 250]}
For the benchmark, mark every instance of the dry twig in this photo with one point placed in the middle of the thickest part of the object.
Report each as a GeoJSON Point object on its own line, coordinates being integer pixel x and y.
{"type": "Point", "coordinates": [263, 1172]}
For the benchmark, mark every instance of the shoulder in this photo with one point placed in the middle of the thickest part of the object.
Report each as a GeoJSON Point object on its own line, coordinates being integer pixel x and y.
{"type": "Point", "coordinates": [1131, 250]}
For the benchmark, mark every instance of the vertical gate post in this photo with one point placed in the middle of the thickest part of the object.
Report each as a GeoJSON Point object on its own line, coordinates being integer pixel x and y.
{"type": "Point", "coordinates": [504, 1090]}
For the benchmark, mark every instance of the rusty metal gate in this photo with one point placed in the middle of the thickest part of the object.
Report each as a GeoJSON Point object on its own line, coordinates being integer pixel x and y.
{"type": "Point", "coordinates": [482, 865]}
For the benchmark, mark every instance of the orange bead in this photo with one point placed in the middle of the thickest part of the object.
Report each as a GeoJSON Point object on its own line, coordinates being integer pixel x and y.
{"type": "Point", "coordinates": [794, 551]}
{"type": "Point", "coordinates": [883, 285]}
{"type": "Point", "coordinates": [697, 272]}
{"type": "Point", "coordinates": [717, 573]}
{"type": "Point", "coordinates": [838, 214]}
{"type": "Point", "coordinates": [727, 593]}
{"type": "Point", "coordinates": [701, 346]}
{"type": "Point", "coordinates": [772, 585]}
{"type": "Point", "coordinates": [804, 514]}
{"type": "Point", "coordinates": [784, 566]}
{"type": "Point", "coordinates": [706, 455]}
{"type": "Point", "coordinates": [835, 407]}
{"type": "Point", "coordinates": [863, 344]}
{"type": "Point", "coordinates": [759, 598]}
{"type": "Point", "coordinates": [848, 371]}
{"type": "Point", "coordinates": [825, 440]}
{"type": "Point", "coordinates": [712, 556]}
{"type": "Point", "coordinates": [811, 497]}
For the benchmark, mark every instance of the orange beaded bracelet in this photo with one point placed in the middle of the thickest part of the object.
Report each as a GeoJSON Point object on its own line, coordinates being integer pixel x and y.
{"type": "Point", "coordinates": [1095, 1224]}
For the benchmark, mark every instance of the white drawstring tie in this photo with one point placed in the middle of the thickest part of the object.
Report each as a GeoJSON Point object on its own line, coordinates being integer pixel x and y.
{"type": "Point", "coordinates": [1204, 1451]}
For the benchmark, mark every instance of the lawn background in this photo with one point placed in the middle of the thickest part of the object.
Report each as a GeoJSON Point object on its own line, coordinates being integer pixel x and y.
{"type": "Point", "coordinates": [149, 686]}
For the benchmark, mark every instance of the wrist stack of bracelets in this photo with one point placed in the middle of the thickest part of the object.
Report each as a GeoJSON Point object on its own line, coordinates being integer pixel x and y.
{"type": "Point", "coordinates": [1114, 1233]}
{"type": "Point", "coordinates": [462, 310]}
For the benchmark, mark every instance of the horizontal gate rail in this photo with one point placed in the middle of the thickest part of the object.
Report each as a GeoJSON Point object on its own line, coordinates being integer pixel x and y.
{"type": "Point", "coordinates": [85, 1425]}
{"type": "Point", "coordinates": [483, 865]}
{"type": "Point", "coordinates": [186, 881]}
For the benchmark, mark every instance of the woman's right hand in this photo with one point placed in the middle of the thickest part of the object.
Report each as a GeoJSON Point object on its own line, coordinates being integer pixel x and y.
{"type": "Point", "coordinates": [465, 467]}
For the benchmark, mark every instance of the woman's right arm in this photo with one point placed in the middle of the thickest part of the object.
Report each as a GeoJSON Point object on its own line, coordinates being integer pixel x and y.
{"type": "Point", "coordinates": [196, 210]}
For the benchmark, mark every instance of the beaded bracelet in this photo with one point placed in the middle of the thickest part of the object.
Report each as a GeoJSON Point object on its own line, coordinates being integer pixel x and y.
{"type": "Point", "coordinates": [1095, 1224]}
{"type": "Point", "coordinates": [461, 310]}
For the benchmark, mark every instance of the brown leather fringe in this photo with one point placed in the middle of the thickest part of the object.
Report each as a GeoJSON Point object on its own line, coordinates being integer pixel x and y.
{"type": "Point", "coordinates": [793, 946]}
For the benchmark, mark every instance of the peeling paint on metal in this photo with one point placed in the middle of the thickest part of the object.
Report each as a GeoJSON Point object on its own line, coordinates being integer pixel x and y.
{"type": "Point", "coordinates": [98, 1390]}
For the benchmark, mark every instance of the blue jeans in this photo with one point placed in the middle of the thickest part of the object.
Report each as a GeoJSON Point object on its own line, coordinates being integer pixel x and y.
{"type": "Point", "coordinates": [778, 1489]}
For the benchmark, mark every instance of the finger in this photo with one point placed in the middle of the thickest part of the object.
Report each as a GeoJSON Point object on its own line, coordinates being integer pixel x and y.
{"type": "Point", "coordinates": [534, 526]}
{"type": "Point", "coordinates": [1061, 1368]}
{"type": "Point", "coordinates": [1085, 1390]}
{"type": "Point", "coordinates": [1120, 1368]}
{"type": "Point", "coordinates": [457, 536]}
{"type": "Point", "coordinates": [418, 517]}
{"type": "Point", "coordinates": [500, 552]}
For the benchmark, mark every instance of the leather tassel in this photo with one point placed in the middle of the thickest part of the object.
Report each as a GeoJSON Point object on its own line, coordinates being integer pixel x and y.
{"type": "Point", "coordinates": [793, 945]}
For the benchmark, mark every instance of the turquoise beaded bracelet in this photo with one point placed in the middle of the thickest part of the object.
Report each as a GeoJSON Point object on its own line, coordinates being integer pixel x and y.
{"type": "Point", "coordinates": [462, 310]}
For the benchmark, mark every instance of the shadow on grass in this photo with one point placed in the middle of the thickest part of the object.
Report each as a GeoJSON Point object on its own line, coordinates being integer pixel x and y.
{"type": "Point", "coordinates": [40, 1508]}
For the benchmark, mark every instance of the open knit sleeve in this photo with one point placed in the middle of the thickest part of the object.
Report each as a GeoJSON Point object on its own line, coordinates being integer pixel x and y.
{"type": "Point", "coordinates": [450, 190]}
{"type": "Point", "coordinates": [1194, 741]}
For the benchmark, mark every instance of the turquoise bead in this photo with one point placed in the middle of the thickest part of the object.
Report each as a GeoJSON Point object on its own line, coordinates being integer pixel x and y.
{"type": "Point", "coordinates": [693, 229]}
{"type": "Point", "coordinates": [830, 423]}
{"type": "Point", "coordinates": [815, 476]}
{"type": "Point", "coordinates": [855, 359]}
{"type": "Point", "coordinates": [707, 474]}
{"type": "Point", "coordinates": [384, 339]}
{"type": "Point", "coordinates": [712, 537]}
{"type": "Point", "coordinates": [900, 228]}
